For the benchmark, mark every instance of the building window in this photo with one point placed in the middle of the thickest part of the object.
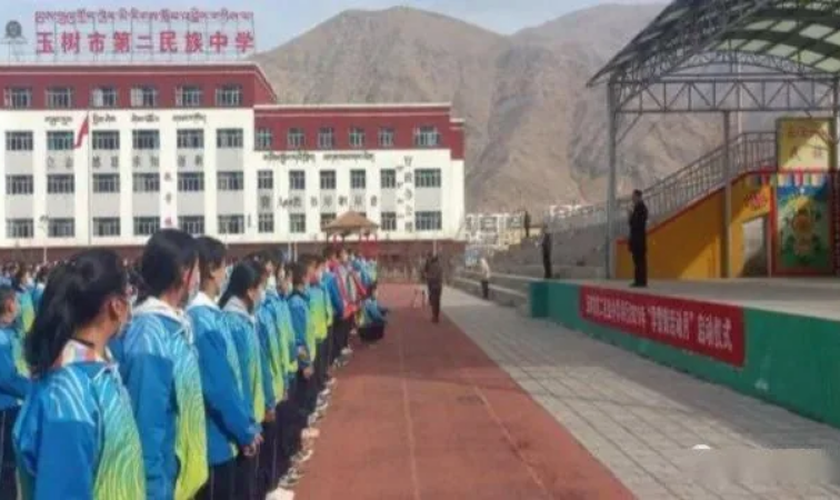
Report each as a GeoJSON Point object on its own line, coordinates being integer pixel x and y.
{"type": "Point", "coordinates": [327, 178]}
{"type": "Point", "coordinates": [266, 223]}
{"type": "Point", "coordinates": [326, 218]}
{"type": "Point", "coordinates": [146, 226]}
{"type": "Point", "coordinates": [231, 224]}
{"type": "Point", "coordinates": [60, 141]}
{"type": "Point", "coordinates": [386, 137]}
{"type": "Point", "coordinates": [326, 138]}
{"type": "Point", "coordinates": [106, 226]}
{"type": "Point", "coordinates": [19, 184]}
{"type": "Point", "coordinates": [17, 98]}
{"type": "Point", "coordinates": [265, 179]}
{"type": "Point", "coordinates": [146, 183]}
{"type": "Point", "coordinates": [297, 223]}
{"type": "Point", "coordinates": [229, 96]}
{"type": "Point", "coordinates": [357, 138]}
{"type": "Point", "coordinates": [106, 183]}
{"type": "Point", "coordinates": [60, 98]}
{"type": "Point", "coordinates": [230, 181]}
{"type": "Point", "coordinates": [145, 139]}
{"type": "Point", "coordinates": [144, 97]}
{"type": "Point", "coordinates": [427, 221]}
{"type": "Point", "coordinates": [427, 178]}
{"type": "Point", "coordinates": [191, 224]}
{"type": "Point", "coordinates": [263, 140]}
{"type": "Point", "coordinates": [103, 97]}
{"type": "Point", "coordinates": [388, 221]}
{"type": "Point", "coordinates": [190, 182]}
{"type": "Point", "coordinates": [20, 228]}
{"type": "Point", "coordinates": [426, 137]}
{"type": "Point", "coordinates": [61, 184]}
{"type": "Point", "coordinates": [295, 138]}
{"type": "Point", "coordinates": [188, 97]}
{"type": "Point", "coordinates": [19, 141]}
{"type": "Point", "coordinates": [388, 178]}
{"type": "Point", "coordinates": [61, 228]}
{"type": "Point", "coordinates": [297, 180]}
{"type": "Point", "coordinates": [229, 138]}
{"type": "Point", "coordinates": [191, 139]}
{"type": "Point", "coordinates": [358, 179]}
{"type": "Point", "coordinates": [105, 140]}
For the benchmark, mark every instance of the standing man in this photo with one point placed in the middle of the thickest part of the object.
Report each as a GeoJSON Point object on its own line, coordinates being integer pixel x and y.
{"type": "Point", "coordinates": [434, 280]}
{"type": "Point", "coordinates": [638, 239]}
{"type": "Point", "coordinates": [485, 278]}
{"type": "Point", "coordinates": [545, 244]}
{"type": "Point", "coordinates": [526, 220]}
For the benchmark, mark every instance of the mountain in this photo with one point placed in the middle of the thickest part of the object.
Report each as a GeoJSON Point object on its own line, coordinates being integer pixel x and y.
{"type": "Point", "coordinates": [535, 134]}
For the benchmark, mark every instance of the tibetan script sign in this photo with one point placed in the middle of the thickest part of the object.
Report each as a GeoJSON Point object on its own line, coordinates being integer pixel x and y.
{"type": "Point", "coordinates": [130, 33]}
{"type": "Point", "coordinates": [708, 329]}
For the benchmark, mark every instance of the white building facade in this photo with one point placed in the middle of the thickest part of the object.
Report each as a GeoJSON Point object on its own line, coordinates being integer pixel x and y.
{"type": "Point", "coordinates": [105, 156]}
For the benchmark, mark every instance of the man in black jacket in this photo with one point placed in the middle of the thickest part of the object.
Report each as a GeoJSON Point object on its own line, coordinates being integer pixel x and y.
{"type": "Point", "coordinates": [545, 246]}
{"type": "Point", "coordinates": [638, 239]}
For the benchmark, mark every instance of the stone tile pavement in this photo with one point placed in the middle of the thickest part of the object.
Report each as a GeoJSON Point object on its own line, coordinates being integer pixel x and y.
{"type": "Point", "coordinates": [643, 420]}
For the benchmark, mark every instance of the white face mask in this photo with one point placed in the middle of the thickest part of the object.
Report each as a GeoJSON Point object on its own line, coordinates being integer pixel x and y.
{"type": "Point", "coordinates": [195, 286]}
{"type": "Point", "coordinates": [272, 283]}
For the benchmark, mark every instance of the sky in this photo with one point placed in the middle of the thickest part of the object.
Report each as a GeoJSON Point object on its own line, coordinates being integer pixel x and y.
{"type": "Point", "coordinates": [280, 20]}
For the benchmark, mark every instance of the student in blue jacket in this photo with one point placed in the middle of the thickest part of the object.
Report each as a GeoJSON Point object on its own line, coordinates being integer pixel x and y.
{"type": "Point", "coordinates": [159, 365]}
{"type": "Point", "coordinates": [230, 428]}
{"type": "Point", "coordinates": [239, 303]}
{"type": "Point", "coordinates": [374, 319]}
{"type": "Point", "coordinates": [76, 436]}
{"type": "Point", "coordinates": [302, 274]}
{"type": "Point", "coordinates": [14, 387]}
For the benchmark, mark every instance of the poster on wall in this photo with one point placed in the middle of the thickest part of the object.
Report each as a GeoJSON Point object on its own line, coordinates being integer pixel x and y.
{"type": "Point", "coordinates": [802, 244]}
{"type": "Point", "coordinates": [708, 329]}
{"type": "Point", "coordinates": [804, 144]}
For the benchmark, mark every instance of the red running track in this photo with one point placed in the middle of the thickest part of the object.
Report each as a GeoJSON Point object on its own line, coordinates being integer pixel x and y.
{"type": "Point", "coordinates": [427, 415]}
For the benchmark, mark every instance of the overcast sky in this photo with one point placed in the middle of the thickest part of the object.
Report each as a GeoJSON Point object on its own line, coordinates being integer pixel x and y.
{"type": "Point", "coordinates": [280, 20]}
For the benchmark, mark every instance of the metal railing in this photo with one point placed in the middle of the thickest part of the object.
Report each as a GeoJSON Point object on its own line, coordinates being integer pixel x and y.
{"type": "Point", "coordinates": [749, 151]}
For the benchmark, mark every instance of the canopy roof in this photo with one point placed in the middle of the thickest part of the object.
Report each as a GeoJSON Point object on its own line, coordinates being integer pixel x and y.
{"type": "Point", "coordinates": [793, 36]}
{"type": "Point", "coordinates": [350, 222]}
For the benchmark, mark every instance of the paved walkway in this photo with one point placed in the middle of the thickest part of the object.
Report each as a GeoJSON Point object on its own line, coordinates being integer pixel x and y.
{"type": "Point", "coordinates": [640, 419]}
{"type": "Point", "coordinates": [427, 415]}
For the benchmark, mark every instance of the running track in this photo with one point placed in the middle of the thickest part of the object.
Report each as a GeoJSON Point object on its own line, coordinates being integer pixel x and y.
{"type": "Point", "coordinates": [427, 415]}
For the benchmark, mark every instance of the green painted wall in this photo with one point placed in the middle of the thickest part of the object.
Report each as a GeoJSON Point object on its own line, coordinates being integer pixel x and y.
{"type": "Point", "coordinates": [792, 361]}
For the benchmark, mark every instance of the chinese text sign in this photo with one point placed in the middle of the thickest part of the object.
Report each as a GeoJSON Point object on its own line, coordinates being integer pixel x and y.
{"type": "Point", "coordinates": [804, 143]}
{"type": "Point", "coordinates": [712, 330]}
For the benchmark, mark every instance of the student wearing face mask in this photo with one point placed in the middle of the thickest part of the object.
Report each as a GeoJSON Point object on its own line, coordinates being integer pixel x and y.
{"type": "Point", "coordinates": [76, 435]}
{"type": "Point", "coordinates": [14, 387]}
{"type": "Point", "coordinates": [22, 284]}
{"type": "Point", "coordinates": [160, 368]}
{"type": "Point", "coordinates": [230, 428]}
{"type": "Point", "coordinates": [318, 312]}
{"type": "Point", "coordinates": [301, 316]}
{"type": "Point", "coordinates": [239, 303]}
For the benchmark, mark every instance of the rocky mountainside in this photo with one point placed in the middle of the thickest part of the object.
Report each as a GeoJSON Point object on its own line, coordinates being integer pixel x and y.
{"type": "Point", "coordinates": [535, 134]}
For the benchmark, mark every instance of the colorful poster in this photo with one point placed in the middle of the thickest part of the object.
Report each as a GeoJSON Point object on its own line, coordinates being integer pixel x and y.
{"type": "Point", "coordinates": [708, 329]}
{"type": "Point", "coordinates": [804, 144]}
{"type": "Point", "coordinates": [803, 229]}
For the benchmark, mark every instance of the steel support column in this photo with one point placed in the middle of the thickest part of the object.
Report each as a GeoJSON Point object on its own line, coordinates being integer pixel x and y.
{"type": "Point", "coordinates": [612, 184]}
{"type": "Point", "coordinates": [727, 197]}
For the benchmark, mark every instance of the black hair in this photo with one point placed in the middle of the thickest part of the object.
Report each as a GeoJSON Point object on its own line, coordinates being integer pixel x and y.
{"type": "Point", "coordinates": [43, 273]}
{"type": "Point", "coordinates": [72, 299]}
{"type": "Point", "coordinates": [166, 255]}
{"type": "Point", "coordinates": [17, 279]}
{"type": "Point", "coordinates": [299, 270]}
{"type": "Point", "coordinates": [245, 276]}
{"type": "Point", "coordinates": [637, 192]}
{"type": "Point", "coordinates": [329, 252]}
{"type": "Point", "coordinates": [211, 255]}
{"type": "Point", "coordinates": [7, 293]}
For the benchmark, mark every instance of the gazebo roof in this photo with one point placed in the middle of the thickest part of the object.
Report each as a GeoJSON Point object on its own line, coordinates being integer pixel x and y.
{"type": "Point", "coordinates": [350, 222]}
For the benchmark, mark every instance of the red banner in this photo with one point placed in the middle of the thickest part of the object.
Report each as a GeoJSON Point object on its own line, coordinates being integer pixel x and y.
{"type": "Point", "coordinates": [708, 329]}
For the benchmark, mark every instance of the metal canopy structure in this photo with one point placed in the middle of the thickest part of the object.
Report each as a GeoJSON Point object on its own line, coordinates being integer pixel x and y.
{"type": "Point", "coordinates": [722, 56]}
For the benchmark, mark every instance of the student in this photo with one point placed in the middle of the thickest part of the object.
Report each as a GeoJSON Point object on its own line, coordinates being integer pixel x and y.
{"type": "Point", "coordinates": [76, 435]}
{"type": "Point", "coordinates": [335, 283]}
{"type": "Point", "coordinates": [274, 375]}
{"type": "Point", "coordinates": [320, 325]}
{"type": "Point", "coordinates": [372, 328]}
{"type": "Point", "coordinates": [14, 387]}
{"type": "Point", "coordinates": [160, 369]}
{"type": "Point", "coordinates": [22, 284]}
{"type": "Point", "coordinates": [40, 283]}
{"type": "Point", "coordinates": [239, 303]}
{"type": "Point", "coordinates": [299, 308]}
{"type": "Point", "coordinates": [230, 428]}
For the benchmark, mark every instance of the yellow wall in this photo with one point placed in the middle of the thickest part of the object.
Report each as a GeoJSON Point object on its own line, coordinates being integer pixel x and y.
{"type": "Point", "coordinates": [689, 245]}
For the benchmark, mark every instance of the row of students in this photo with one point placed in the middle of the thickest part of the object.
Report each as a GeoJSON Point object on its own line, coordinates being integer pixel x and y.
{"type": "Point", "coordinates": [225, 395]}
